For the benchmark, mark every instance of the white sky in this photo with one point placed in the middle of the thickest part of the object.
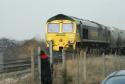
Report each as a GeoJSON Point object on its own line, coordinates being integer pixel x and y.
{"type": "Point", "coordinates": [24, 19]}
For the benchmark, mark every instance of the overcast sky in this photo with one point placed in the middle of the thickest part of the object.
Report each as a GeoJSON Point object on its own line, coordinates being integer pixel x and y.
{"type": "Point", "coordinates": [24, 19]}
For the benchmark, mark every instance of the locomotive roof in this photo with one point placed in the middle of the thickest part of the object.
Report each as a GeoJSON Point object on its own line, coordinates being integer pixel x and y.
{"type": "Point", "coordinates": [113, 29]}
{"type": "Point", "coordinates": [78, 20]}
{"type": "Point", "coordinates": [90, 23]}
{"type": "Point", "coordinates": [60, 17]}
{"type": "Point", "coordinates": [86, 22]}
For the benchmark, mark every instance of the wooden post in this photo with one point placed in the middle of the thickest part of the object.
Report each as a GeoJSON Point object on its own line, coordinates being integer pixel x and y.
{"type": "Point", "coordinates": [85, 66]}
{"type": "Point", "coordinates": [77, 55]}
{"type": "Point", "coordinates": [51, 58]}
{"type": "Point", "coordinates": [32, 65]}
{"type": "Point", "coordinates": [39, 64]}
{"type": "Point", "coordinates": [74, 66]}
{"type": "Point", "coordinates": [63, 58]}
{"type": "Point", "coordinates": [115, 62]}
{"type": "Point", "coordinates": [103, 56]}
{"type": "Point", "coordinates": [81, 66]}
{"type": "Point", "coordinates": [51, 52]}
{"type": "Point", "coordinates": [119, 61]}
{"type": "Point", "coordinates": [77, 68]}
{"type": "Point", "coordinates": [64, 66]}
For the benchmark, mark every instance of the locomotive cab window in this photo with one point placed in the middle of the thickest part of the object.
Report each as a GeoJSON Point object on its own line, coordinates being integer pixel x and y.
{"type": "Point", "coordinates": [85, 33]}
{"type": "Point", "coordinates": [53, 28]}
{"type": "Point", "coordinates": [67, 27]}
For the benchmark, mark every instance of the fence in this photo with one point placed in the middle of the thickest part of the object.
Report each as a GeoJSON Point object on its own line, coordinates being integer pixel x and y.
{"type": "Point", "coordinates": [74, 69]}
{"type": "Point", "coordinates": [86, 68]}
{"type": "Point", "coordinates": [20, 71]}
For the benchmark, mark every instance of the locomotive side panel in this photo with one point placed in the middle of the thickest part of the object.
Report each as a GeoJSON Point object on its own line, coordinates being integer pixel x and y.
{"type": "Point", "coordinates": [93, 32]}
{"type": "Point", "coordinates": [103, 34]}
{"type": "Point", "coordinates": [114, 37]}
{"type": "Point", "coordinates": [122, 38]}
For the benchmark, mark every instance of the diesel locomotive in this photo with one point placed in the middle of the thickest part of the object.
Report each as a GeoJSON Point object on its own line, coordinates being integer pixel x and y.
{"type": "Point", "coordinates": [71, 32]}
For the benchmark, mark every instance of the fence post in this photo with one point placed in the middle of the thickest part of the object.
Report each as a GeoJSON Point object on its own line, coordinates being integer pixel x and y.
{"type": "Point", "coordinates": [81, 66]}
{"type": "Point", "coordinates": [39, 64]}
{"type": "Point", "coordinates": [103, 56]}
{"type": "Point", "coordinates": [51, 58]}
{"type": "Point", "coordinates": [77, 60]}
{"type": "Point", "coordinates": [63, 58]}
{"type": "Point", "coordinates": [32, 65]}
{"type": "Point", "coordinates": [64, 66]}
{"type": "Point", "coordinates": [85, 66]}
{"type": "Point", "coordinates": [119, 61]}
{"type": "Point", "coordinates": [74, 64]}
{"type": "Point", "coordinates": [51, 52]}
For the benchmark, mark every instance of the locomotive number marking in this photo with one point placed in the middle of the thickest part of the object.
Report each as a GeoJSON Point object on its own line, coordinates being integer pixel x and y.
{"type": "Point", "coordinates": [61, 34]}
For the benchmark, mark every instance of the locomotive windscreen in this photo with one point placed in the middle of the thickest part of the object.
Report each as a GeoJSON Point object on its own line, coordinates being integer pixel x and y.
{"type": "Point", "coordinates": [67, 27]}
{"type": "Point", "coordinates": [53, 27]}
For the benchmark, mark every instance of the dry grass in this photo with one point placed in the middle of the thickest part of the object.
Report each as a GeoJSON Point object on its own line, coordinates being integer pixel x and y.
{"type": "Point", "coordinates": [16, 78]}
{"type": "Point", "coordinates": [13, 80]}
{"type": "Point", "coordinates": [97, 68]}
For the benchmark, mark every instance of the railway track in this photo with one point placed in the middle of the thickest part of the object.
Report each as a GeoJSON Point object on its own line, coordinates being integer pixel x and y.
{"type": "Point", "coordinates": [15, 65]}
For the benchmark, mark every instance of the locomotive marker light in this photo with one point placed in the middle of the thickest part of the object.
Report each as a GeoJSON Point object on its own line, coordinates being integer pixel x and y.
{"type": "Point", "coordinates": [60, 40]}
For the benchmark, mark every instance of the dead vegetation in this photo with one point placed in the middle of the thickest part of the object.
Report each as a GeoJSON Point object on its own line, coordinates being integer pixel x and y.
{"type": "Point", "coordinates": [97, 68]}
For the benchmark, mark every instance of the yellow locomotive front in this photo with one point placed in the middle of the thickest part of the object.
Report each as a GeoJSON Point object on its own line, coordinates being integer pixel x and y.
{"type": "Point", "coordinates": [62, 33]}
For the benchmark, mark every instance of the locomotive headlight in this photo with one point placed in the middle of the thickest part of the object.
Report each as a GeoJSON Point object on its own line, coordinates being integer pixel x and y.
{"type": "Point", "coordinates": [71, 41]}
{"type": "Point", "coordinates": [60, 40]}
